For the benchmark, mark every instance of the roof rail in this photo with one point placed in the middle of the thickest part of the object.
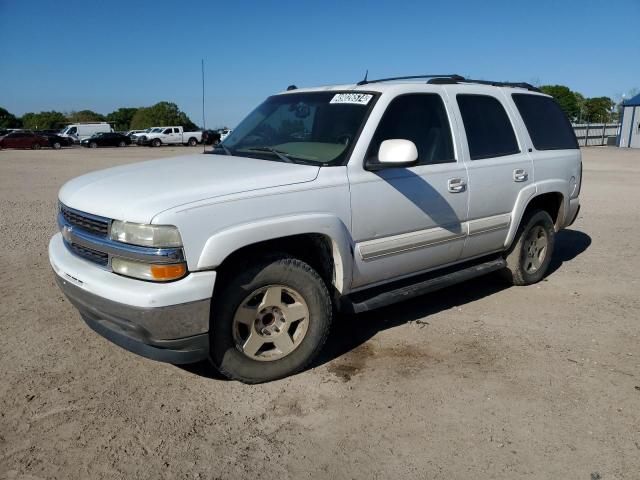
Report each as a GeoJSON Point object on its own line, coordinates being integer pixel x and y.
{"type": "Point", "coordinates": [453, 79]}
{"type": "Point", "coordinates": [410, 77]}
{"type": "Point", "coordinates": [524, 85]}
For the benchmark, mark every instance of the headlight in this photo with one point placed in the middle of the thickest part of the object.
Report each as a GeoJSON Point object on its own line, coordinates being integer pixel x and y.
{"type": "Point", "coordinates": [146, 271]}
{"type": "Point", "coordinates": [145, 235]}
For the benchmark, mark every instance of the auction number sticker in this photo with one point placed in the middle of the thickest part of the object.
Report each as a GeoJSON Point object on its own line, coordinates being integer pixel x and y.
{"type": "Point", "coordinates": [355, 98]}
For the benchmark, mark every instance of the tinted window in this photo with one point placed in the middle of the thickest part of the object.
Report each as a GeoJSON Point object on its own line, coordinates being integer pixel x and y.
{"type": "Point", "coordinates": [548, 126]}
{"type": "Point", "coordinates": [420, 118]}
{"type": "Point", "coordinates": [489, 131]}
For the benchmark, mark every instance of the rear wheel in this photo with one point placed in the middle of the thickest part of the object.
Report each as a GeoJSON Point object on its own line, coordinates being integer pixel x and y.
{"type": "Point", "coordinates": [271, 321]}
{"type": "Point", "coordinates": [528, 259]}
{"type": "Point", "coordinates": [193, 142]}
{"type": "Point", "coordinates": [122, 143]}
{"type": "Point", "coordinates": [35, 146]}
{"type": "Point", "coordinates": [56, 145]}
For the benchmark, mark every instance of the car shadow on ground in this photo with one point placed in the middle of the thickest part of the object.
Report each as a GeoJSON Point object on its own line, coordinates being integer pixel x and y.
{"type": "Point", "coordinates": [351, 331]}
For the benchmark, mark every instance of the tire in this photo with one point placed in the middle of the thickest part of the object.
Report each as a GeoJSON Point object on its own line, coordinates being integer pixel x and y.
{"type": "Point", "coordinates": [529, 257]}
{"type": "Point", "coordinates": [93, 145]}
{"type": "Point", "coordinates": [56, 145]}
{"type": "Point", "coordinates": [156, 142]}
{"type": "Point", "coordinates": [36, 146]}
{"type": "Point", "coordinates": [193, 142]}
{"type": "Point", "coordinates": [246, 310]}
{"type": "Point", "coordinates": [122, 143]}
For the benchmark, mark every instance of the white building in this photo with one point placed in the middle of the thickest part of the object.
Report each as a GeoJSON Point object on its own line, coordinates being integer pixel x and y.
{"type": "Point", "coordinates": [630, 128]}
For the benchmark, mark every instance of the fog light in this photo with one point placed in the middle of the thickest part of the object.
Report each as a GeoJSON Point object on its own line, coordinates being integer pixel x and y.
{"type": "Point", "coordinates": [148, 271]}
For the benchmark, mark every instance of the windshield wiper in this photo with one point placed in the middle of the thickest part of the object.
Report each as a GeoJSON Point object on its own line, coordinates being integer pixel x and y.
{"type": "Point", "coordinates": [226, 150]}
{"type": "Point", "coordinates": [280, 155]}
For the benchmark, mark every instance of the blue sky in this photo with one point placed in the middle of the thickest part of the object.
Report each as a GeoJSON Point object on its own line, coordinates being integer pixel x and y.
{"type": "Point", "coordinates": [77, 55]}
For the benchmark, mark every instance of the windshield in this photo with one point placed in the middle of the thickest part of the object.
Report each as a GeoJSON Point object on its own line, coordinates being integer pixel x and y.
{"type": "Point", "coordinates": [156, 130]}
{"type": "Point", "coordinates": [313, 127]}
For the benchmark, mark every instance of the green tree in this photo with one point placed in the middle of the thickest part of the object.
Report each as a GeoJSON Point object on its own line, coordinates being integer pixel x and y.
{"type": "Point", "coordinates": [598, 109]}
{"type": "Point", "coordinates": [44, 120]}
{"type": "Point", "coordinates": [568, 100]}
{"type": "Point", "coordinates": [9, 120]}
{"type": "Point", "coordinates": [162, 113]}
{"type": "Point", "coordinates": [121, 119]}
{"type": "Point", "coordinates": [85, 116]}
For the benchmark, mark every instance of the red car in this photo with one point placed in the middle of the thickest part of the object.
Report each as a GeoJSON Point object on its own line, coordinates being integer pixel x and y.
{"type": "Point", "coordinates": [23, 139]}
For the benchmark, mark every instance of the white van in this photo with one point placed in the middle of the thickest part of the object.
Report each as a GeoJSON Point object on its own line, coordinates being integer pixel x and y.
{"type": "Point", "coordinates": [80, 131]}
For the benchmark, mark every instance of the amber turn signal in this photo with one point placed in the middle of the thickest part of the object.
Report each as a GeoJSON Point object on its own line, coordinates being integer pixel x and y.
{"type": "Point", "coordinates": [168, 272]}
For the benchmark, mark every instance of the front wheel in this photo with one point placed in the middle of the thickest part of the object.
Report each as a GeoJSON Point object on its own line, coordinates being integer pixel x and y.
{"type": "Point", "coordinates": [529, 258]}
{"type": "Point", "coordinates": [156, 142]}
{"type": "Point", "coordinates": [93, 145]}
{"type": "Point", "coordinates": [271, 321]}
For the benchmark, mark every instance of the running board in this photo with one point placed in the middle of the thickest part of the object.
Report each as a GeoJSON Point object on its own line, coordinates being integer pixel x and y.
{"type": "Point", "coordinates": [414, 287]}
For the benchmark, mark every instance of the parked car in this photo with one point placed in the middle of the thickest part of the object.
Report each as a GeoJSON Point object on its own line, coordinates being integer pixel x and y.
{"type": "Point", "coordinates": [210, 137]}
{"type": "Point", "coordinates": [341, 198]}
{"type": "Point", "coordinates": [56, 141]}
{"type": "Point", "coordinates": [80, 131]}
{"type": "Point", "coordinates": [173, 135]}
{"type": "Point", "coordinates": [109, 139]}
{"type": "Point", "coordinates": [23, 139]}
{"type": "Point", "coordinates": [224, 133]}
{"type": "Point", "coordinates": [137, 137]}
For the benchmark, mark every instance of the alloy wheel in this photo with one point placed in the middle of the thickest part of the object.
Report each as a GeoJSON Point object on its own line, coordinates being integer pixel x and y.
{"type": "Point", "coordinates": [270, 323]}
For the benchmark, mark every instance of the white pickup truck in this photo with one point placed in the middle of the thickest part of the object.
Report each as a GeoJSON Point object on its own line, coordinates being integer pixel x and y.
{"type": "Point", "coordinates": [170, 136]}
{"type": "Point", "coordinates": [342, 198]}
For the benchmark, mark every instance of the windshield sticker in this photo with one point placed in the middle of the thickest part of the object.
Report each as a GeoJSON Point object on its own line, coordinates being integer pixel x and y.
{"type": "Point", "coordinates": [355, 98]}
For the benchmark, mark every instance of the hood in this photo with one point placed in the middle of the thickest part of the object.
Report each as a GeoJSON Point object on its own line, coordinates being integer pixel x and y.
{"type": "Point", "coordinates": [139, 191]}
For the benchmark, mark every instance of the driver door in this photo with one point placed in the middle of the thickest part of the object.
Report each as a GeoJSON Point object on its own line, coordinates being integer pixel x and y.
{"type": "Point", "coordinates": [408, 220]}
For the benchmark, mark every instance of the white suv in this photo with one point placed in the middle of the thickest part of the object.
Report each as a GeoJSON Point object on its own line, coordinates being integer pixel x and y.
{"type": "Point", "coordinates": [324, 199]}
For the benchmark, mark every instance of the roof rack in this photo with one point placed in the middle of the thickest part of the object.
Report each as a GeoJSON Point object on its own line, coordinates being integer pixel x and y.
{"type": "Point", "coordinates": [453, 79]}
{"type": "Point", "coordinates": [410, 77]}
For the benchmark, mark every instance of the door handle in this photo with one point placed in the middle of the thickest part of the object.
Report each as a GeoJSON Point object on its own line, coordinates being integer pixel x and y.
{"type": "Point", "coordinates": [456, 185]}
{"type": "Point", "coordinates": [520, 175]}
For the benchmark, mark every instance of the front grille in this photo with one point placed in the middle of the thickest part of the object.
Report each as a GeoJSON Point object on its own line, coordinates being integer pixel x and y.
{"type": "Point", "coordinates": [85, 222]}
{"type": "Point", "coordinates": [90, 254]}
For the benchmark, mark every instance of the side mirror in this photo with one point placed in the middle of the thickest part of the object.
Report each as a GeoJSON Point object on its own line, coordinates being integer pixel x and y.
{"type": "Point", "coordinates": [396, 153]}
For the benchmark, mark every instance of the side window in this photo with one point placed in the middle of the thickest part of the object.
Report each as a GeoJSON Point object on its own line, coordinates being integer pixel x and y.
{"type": "Point", "coordinates": [489, 131]}
{"type": "Point", "coordinates": [547, 124]}
{"type": "Point", "coordinates": [176, 130]}
{"type": "Point", "coordinates": [167, 130]}
{"type": "Point", "coordinates": [420, 118]}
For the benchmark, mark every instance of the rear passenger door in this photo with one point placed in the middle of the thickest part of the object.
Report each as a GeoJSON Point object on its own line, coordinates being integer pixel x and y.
{"type": "Point", "coordinates": [499, 167]}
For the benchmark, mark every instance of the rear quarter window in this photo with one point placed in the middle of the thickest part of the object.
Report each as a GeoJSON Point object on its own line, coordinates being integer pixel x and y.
{"type": "Point", "coordinates": [547, 124]}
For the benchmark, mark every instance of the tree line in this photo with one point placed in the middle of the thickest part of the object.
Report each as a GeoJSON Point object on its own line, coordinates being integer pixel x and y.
{"type": "Point", "coordinates": [122, 119]}
{"type": "Point", "coordinates": [583, 110]}
{"type": "Point", "coordinates": [578, 108]}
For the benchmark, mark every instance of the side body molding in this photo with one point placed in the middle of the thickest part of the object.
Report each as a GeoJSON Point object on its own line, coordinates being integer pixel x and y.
{"type": "Point", "coordinates": [220, 245]}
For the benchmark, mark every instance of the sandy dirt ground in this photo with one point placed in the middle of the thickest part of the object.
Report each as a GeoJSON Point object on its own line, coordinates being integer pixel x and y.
{"type": "Point", "coordinates": [476, 381]}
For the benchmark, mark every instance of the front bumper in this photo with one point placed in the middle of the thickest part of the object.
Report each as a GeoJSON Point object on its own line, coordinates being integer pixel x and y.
{"type": "Point", "coordinates": [125, 325]}
{"type": "Point", "coordinates": [168, 322]}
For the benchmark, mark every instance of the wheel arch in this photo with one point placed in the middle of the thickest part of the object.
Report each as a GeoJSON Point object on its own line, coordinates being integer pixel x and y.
{"type": "Point", "coordinates": [551, 201]}
{"type": "Point", "coordinates": [320, 240]}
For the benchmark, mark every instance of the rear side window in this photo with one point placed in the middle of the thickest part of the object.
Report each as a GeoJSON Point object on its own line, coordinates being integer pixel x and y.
{"type": "Point", "coordinates": [547, 124]}
{"type": "Point", "coordinates": [420, 118]}
{"type": "Point", "coordinates": [489, 131]}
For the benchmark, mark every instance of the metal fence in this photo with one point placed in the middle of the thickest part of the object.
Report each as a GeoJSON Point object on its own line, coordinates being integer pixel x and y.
{"type": "Point", "coordinates": [596, 134]}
